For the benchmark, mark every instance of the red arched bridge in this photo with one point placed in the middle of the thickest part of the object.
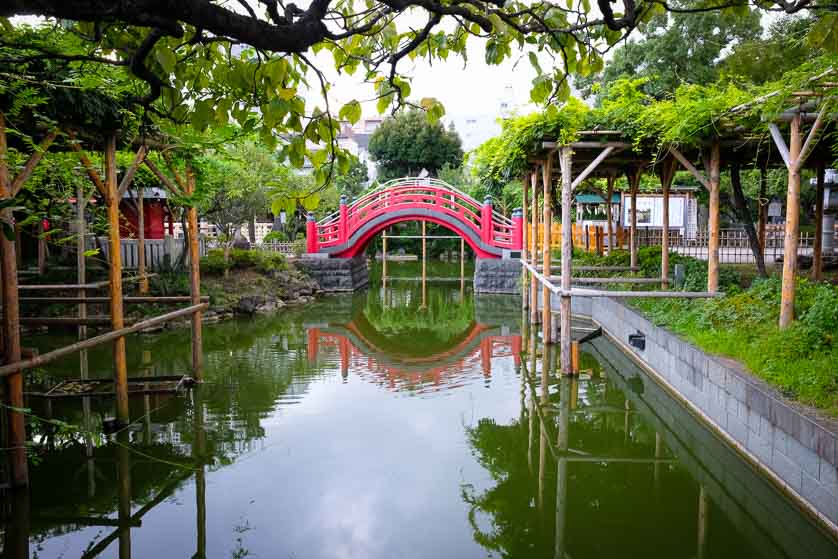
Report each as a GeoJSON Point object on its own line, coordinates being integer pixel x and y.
{"type": "Point", "coordinates": [346, 233]}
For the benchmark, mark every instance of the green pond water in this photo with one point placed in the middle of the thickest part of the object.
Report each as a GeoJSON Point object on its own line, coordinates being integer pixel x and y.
{"type": "Point", "coordinates": [393, 422]}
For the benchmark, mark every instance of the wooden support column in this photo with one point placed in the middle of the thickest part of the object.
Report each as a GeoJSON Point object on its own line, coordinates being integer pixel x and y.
{"type": "Point", "coordinates": [634, 183]}
{"type": "Point", "coordinates": [547, 179]}
{"type": "Point", "coordinates": [763, 207]}
{"type": "Point", "coordinates": [817, 249]}
{"type": "Point", "coordinates": [11, 331]}
{"type": "Point", "coordinates": [714, 170]}
{"type": "Point", "coordinates": [667, 175]}
{"type": "Point", "coordinates": [81, 272]}
{"type": "Point", "coordinates": [566, 164]}
{"type": "Point", "coordinates": [534, 249]}
{"type": "Point", "coordinates": [525, 202]}
{"type": "Point", "coordinates": [792, 237]}
{"type": "Point", "coordinates": [141, 240]}
{"type": "Point", "coordinates": [194, 279]}
{"type": "Point", "coordinates": [120, 373]}
{"type": "Point", "coordinates": [611, 179]}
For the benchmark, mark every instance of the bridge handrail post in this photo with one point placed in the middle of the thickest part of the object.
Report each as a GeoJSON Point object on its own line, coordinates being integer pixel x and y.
{"type": "Point", "coordinates": [517, 229]}
{"type": "Point", "coordinates": [343, 220]}
{"type": "Point", "coordinates": [312, 241]}
{"type": "Point", "coordinates": [486, 220]}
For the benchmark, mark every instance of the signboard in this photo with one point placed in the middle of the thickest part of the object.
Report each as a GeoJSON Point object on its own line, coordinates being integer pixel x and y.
{"type": "Point", "coordinates": [650, 211]}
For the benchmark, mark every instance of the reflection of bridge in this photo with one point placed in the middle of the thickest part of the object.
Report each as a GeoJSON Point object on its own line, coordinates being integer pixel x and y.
{"type": "Point", "coordinates": [480, 344]}
{"type": "Point", "coordinates": [347, 232]}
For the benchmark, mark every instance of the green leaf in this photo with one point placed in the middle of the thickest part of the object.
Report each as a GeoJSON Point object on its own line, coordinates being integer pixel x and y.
{"type": "Point", "coordinates": [166, 58]}
{"type": "Point", "coordinates": [91, 252]}
{"type": "Point", "coordinates": [351, 111]}
{"type": "Point", "coordinates": [433, 108]}
{"type": "Point", "coordinates": [287, 93]}
{"type": "Point", "coordinates": [534, 62]}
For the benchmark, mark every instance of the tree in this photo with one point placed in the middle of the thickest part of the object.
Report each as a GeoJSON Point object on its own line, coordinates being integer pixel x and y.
{"type": "Point", "coordinates": [407, 143]}
{"type": "Point", "coordinates": [354, 180]}
{"type": "Point", "coordinates": [676, 48]}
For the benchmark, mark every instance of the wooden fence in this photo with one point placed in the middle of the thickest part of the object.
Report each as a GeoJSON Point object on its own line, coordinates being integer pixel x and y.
{"type": "Point", "coordinates": [160, 254]}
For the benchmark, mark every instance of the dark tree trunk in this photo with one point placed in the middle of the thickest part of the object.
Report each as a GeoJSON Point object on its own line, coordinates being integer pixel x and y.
{"type": "Point", "coordinates": [740, 203]}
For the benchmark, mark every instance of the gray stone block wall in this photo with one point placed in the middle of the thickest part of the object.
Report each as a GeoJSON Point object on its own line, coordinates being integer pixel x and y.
{"type": "Point", "coordinates": [497, 275]}
{"type": "Point", "coordinates": [789, 442]}
{"type": "Point", "coordinates": [337, 274]}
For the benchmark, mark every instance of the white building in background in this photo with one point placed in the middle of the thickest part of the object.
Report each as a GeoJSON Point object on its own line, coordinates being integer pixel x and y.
{"type": "Point", "coordinates": [474, 129]}
{"type": "Point", "coordinates": [356, 140]}
{"type": "Point", "coordinates": [210, 231]}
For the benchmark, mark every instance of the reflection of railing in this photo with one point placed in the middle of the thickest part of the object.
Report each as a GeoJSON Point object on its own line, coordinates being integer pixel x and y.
{"type": "Point", "coordinates": [444, 368]}
{"type": "Point", "coordinates": [424, 196]}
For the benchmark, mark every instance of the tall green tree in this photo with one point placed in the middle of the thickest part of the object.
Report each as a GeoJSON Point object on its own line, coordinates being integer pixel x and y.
{"type": "Point", "coordinates": [407, 143]}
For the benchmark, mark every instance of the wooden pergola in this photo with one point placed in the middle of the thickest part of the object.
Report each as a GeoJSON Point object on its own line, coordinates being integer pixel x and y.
{"type": "Point", "coordinates": [608, 154]}
{"type": "Point", "coordinates": [112, 191]}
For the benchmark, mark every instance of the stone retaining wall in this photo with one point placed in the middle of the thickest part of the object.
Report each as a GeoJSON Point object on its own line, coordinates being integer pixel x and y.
{"type": "Point", "coordinates": [497, 275]}
{"type": "Point", "coordinates": [796, 448]}
{"type": "Point", "coordinates": [336, 274]}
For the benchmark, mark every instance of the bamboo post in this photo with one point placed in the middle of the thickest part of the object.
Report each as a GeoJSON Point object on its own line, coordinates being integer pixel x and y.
{"type": "Point", "coordinates": [713, 222]}
{"type": "Point", "coordinates": [792, 227]}
{"type": "Point", "coordinates": [546, 172]}
{"type": "Point", "coordinates": [611, 179]}
{"type": "Point", "coordinates": [667, 174]}
{"type": "Point", "coordinates": [81, 272]}
{"type": "Point", "coordinates": [424, 266]}
{"type": "Point", "coordinates": [574, 358]}
{"type": "Point", "coordinates": [566, 161]}
{"type": "Point", "coordinates": [194, 279]}
{"type": "Point", "coordinates": [526, 199]}
{"type": "Point", "coordinates": [141, 240]}
{"type": "Point", "coordinates": [534, 249]}
{"type": "Point", "coordinates": [42, 247]}
{"type": "Point", "coordinates": [634, 182]}
{"type": "Point", "coordinates": [115, 285]}
{"type": "Point", "coordinates": [11, 332]}
{"type": "Point", "coordinates": [763, 207]}
{"type": "Point", "coordinates": [817, 248]}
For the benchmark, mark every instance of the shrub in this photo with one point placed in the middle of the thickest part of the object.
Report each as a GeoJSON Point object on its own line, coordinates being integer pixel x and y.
{"type": "Point", "coordinates": [242, 259]}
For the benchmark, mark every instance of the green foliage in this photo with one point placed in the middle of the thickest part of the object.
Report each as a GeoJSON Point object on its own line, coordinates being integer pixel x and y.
{"type": "Point", "coordinates": [407, 143]}
{"type": "Point", "coordinates": [801, 360]}
{"type": "Point", "coordinates": [263, 261]}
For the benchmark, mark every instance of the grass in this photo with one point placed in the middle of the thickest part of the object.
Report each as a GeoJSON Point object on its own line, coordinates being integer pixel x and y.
{"type": "Point", "coordinates": [802, 360]}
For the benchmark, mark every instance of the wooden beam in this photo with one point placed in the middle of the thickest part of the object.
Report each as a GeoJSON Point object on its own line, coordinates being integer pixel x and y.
{"type": "Point", "coordinates": [88, 166]}
{"type": "Point", "coordinates": [13, 393]}
{"type": "Point", "coordinates": [128, 178]}
{"type": "Point", "coordinates": [781, 144]}
{"type": "Point", "coordinates": [163, 299]}
{"type": "Point", "coordinates": [167, 182]}
{"type": "Point", "coordinates": [811, 138]}
{"type": "Point", "coordinates": [49, 357]}
{"type": "Point", "coordinates": [593, 165]}
{"type": "Point", "coordinates": [699, 176]}
{"type": "Point", "coordinates": [32, 162]}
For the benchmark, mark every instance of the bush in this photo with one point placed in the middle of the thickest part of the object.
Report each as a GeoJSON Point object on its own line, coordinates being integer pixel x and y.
{"type": "Point", "coordinates": [240, 259]}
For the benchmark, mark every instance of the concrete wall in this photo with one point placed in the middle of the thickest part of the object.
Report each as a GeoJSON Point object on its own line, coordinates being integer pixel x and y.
{"type": "Point", "coordinates": [797, 450]}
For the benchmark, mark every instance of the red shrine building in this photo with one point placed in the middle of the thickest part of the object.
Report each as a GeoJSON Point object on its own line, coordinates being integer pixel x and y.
{"type": "Point", "coordinates": [157, 218]}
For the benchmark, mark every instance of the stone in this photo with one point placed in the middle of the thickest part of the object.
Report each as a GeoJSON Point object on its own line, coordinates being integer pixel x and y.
{"type": "Point", "coordinates": [497, 275]}
{"type": "Point", "coordinates": [335, 274]}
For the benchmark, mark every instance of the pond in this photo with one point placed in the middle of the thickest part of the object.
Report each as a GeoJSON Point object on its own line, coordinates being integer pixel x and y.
{"type": "Point", "coordinates": [395, 422]}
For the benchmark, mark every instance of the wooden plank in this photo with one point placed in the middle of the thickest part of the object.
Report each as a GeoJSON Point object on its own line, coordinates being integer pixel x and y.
{"type": "Point", "coordinates": [638, 281]}
{"type": "Point", "coordinates": [639, 294]}
{"type": "Point", "coordinates": [161, 299]}
{"type": "Point", "coordinates": [16, 427]}
{"type": "Point", "coordinates": [65, 320]}
{"type": "Point", "coordinates": [45, 358]}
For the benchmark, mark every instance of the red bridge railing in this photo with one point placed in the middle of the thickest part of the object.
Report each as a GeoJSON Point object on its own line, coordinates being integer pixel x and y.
{"type": "Point", "coordinates": [425, 196]}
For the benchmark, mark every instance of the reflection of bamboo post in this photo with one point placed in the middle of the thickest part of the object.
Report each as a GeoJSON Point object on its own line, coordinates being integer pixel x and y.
{"type": "Point", "coordinates": [703, 505]}
{"type": "Point", "coordinates": [200, 477]}
{"type": "Point", "coordinates": [626, 419]}
{"type": "Point", "coordinates": [532, 349]}
{"type": "Point", "coordinates": [146, 368]}
{"type": "Point", "coordinates": [115, 284]}
{"type": "Point", "coordinates": [424, 266]}
{"type": "Point", "coordinates": [658, 456]}
{"type": "Point", "coordinates": [462, 266]}
{"type": "Point", "coordinates": [124, 506]}
{"type": "Point", "coordinates": [561, 467]}
{"type": "Point", "coordinates": [16, 538]}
